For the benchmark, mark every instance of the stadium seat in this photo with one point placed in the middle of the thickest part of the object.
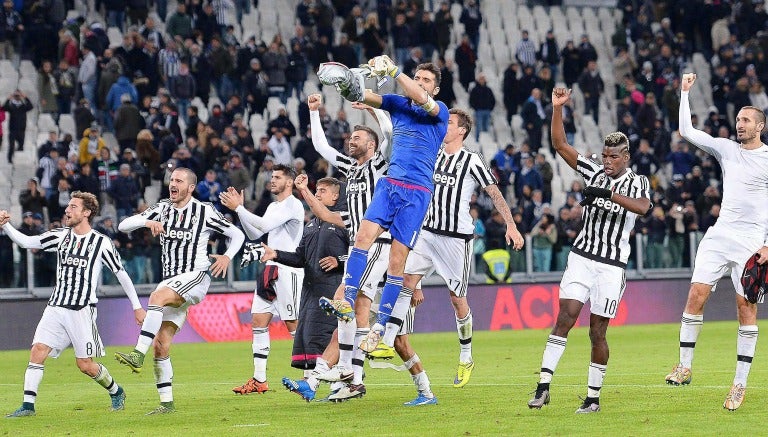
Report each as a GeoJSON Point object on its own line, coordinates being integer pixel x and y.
{"type": "Point", "coordinates": [115, 36]}
{"type": "Point", "coordinates": [67, 124]}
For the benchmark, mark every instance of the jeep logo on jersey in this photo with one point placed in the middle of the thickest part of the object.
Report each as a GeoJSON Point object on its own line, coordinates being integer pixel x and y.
{"type": "Point", "coordinates": [179, 234]}
{"type": "Point", "coordinates": [442, 178]}
{"type": "Point", "coordinates": [357, 186]}
{"type": "Point", "coordinates": [607, 205]}
{"type": "Point", "coordinates": [75, 261]}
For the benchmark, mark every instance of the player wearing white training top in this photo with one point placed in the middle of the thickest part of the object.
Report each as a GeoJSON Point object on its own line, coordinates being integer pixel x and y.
{"type": "Point", "coordinates": [70, 317]}
{"type": "Point", "coordinates": [614, 197]}
{"type": "Point", "coordinates": [184, 225]}
{"type": "Point", "coordinates": [279, 291]}
{"type": "Point", "coordinates": [741, 231]}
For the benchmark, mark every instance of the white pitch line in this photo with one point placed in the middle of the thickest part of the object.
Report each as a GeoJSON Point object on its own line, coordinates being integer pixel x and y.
{"type": "Point", "coordinates": [250, 425]}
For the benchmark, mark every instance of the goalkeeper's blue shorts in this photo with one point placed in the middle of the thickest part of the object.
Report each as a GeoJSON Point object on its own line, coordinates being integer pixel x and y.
{"type": "Point", "coordinates": [399, 207]}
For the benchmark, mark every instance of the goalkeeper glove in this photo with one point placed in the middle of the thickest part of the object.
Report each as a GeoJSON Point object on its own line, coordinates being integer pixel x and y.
{"type": "Point", "coordinates": [253, 252]}
{"type": "Point", "coordinates": [384, 66]}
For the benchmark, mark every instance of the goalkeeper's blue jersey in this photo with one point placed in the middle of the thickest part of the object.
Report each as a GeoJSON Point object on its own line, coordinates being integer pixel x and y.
{"type": "Point", "coordinates": [416, 140]}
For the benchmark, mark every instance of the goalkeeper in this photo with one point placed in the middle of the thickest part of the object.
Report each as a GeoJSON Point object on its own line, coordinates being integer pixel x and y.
{"type": "Point", "coordinates": [401, 199]}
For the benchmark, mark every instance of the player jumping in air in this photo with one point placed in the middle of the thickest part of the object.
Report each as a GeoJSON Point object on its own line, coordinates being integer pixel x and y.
{"type": "Point", "coordinates": [184, 225]}
{"type": "Point", "coordinates": [400, 200]}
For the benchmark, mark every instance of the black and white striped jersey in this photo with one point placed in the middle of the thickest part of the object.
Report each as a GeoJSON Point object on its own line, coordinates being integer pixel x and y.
{"type": "Point", "coordinates": [361, 180]}
{"type": "Point", "coordinates": [80, 258]}
{"type": "Point", "coordinates": [456, 178]}
{"type": "Point", "coordinates": [605, 234]}
{"type": "Point", "coordinates": [187, 232]}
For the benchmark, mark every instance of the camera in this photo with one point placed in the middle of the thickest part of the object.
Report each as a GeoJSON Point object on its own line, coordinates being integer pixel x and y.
{"type": "Point", "coordinates": [679, 209]}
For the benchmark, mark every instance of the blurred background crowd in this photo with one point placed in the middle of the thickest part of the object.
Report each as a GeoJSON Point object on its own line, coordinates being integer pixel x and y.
{"type": "Point", "coordinates": [109, 96]}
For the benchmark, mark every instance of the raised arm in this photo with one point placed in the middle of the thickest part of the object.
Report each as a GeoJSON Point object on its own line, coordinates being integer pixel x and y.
{"type": "Point", "coordinates": [319, 140]}
{"type": "Point", "coordinates": [318, 209]}
{"type": "Point", "coordinates": [694, 136]}
{"type": "Point", "coordinates": [385, 124]}
{"type": "Point", "coordinates": [25, 241]}
{"type": "Point", "coordinates": [559, 97]}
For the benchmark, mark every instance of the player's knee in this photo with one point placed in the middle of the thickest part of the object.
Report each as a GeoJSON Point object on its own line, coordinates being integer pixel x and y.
{"type": "Point", "coordinates": [85, 366]}
{"type": "Point", "coordinates": [597, 334]}
{"type": "Point", "coordinates": [160, 347]}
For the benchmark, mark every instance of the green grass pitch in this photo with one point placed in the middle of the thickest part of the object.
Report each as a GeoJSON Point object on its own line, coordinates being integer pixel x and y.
{"type": "Point", "coordinates": [635, 400]}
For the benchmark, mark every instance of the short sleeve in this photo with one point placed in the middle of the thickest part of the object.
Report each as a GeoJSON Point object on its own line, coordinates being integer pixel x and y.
{"type": "Point", "coordinates": [480, 172]}
{"type": "Point", "coordinates": [641, 188]}
{"type": "Point", "coordinates": [588, 169]}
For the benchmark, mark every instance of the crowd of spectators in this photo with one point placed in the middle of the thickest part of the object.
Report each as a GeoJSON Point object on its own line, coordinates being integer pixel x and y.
{"type": "Point", "coordinates": [142, 91]}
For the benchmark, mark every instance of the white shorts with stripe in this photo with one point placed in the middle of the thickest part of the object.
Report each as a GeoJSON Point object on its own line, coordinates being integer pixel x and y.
{"type": "Point", "coordinates": [59, 327]}
{"type": "Point", "coordinates": [288, 289]}
{"type": "Point", "coordinates": [449, 257]}
{"type": "Point", "coordinates": [603, 284]}
{"type": "Point", "coordinates": [721, 250]}
{"type": "Point", "coordinates": [192, 287]}
{"type": "Point", "coordinates": [375, 270]}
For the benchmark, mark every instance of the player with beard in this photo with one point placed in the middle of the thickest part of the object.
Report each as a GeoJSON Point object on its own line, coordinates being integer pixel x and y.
{"type": "Point", "coordinates": [184, 225]}
{"type": "Point", "coordinates": [70, 317]}
{"type": "Point", "coordinates": [740, 232]}
{"type": "Point", "coordinates": [279, 291]}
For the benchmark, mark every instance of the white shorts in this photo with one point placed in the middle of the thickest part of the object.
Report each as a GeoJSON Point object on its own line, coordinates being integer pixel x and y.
{"type": "Point", "coordinates": [59, 327]}
{"type": "Point", "coordinates": [450, 257]}
{"type": "Point", "coordinates": [288, 291]}
{"type": "Point", "coordinates": [192, 287]}
{"type": "Point", "coordinates": [375, 270]}
{"type": "Point", "coordinates": [721, 250]}
{"type": "Point", "coordinates": [603, 284]}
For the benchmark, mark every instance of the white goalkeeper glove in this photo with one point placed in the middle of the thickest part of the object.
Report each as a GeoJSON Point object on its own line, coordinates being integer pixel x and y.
{"type": "Point", "coordinates": [253, 252]}
{"type": "Point", "coordinates": [383, 66]}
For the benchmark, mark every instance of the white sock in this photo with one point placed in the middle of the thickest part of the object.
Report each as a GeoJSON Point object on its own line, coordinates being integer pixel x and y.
{"type": "Point", "coordinates": [346, 343]}
{"type": "Point", "coordinates": [358, 360]}
{"type": "Point", "coordinates": [464, 328]}
{"type": "Point", "coordinates": [105, 380]}
{"type": "Point", "coordinates": [32, 378]}
{"type": "Point", "coordinates": [690, 327]}
{"type": "Point", "coordinates": [422, 383]}
{"type": "Point", "coordinates": [321, 366]}
{"type": "Point", "coordinates": [399, 313]}
{"type": "Point", "coordinates": [149, 328]}
{"type": "Point", "coordinates": [552, 353]}
{"type": "Point", "coordinates": [595, 379]}
{"type": "Point", "coordinates": [745, 350]}
{"type": "Point", "coordinates": [260, 353]}
{"type": "Point", "coordinates": [164, 378]}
